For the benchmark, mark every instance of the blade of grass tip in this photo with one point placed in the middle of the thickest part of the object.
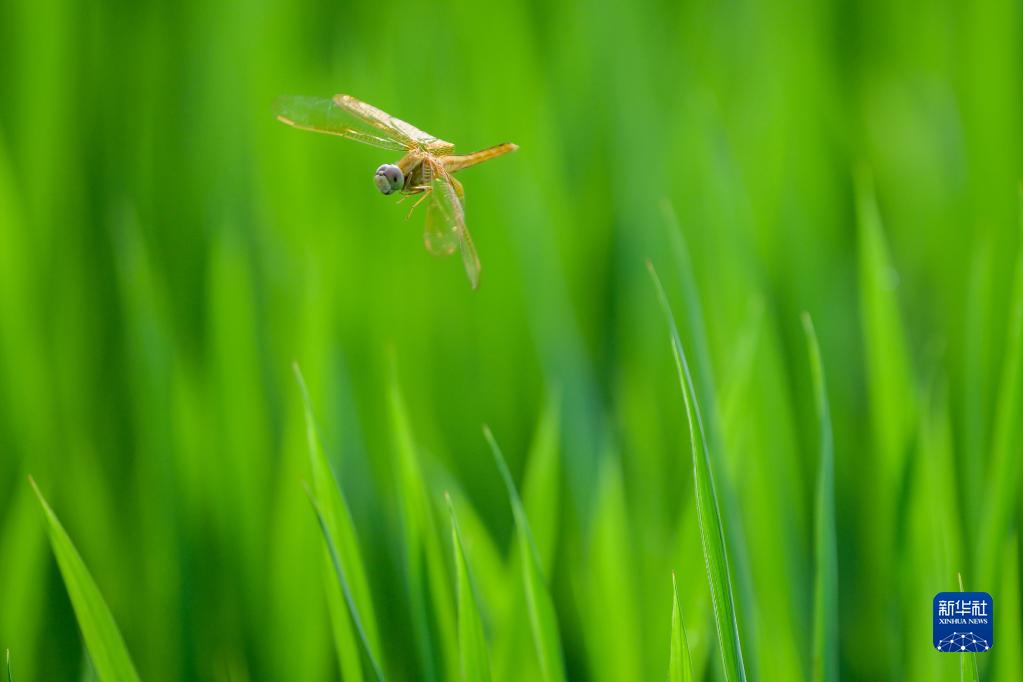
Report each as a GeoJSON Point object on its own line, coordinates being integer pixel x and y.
{"type": "Point", "coordinates": [825, 614]}
{"type": "Point", "coordinates": [10, 675]}
{"type": "Point", "coordinates": [472, 643]}
{"type": "Point", "coordinates": [102, 638]}
{"type": "Point", "coordinates": [541, 480]}
{"type": "Point", "coordinates": [703, 379]}
{"type": "Point", "coordinates": [892, 395]}
{"type": "Point", "coordinates": [345, 588]}
{"type": "Point", "coordinates": [890, 375]}
{"type": "Point", "coordinates": [335, 514]}
{"type": "Point", "coordinates": [691, 296]}
{"type": "Point", "coordinates": [968, 661]}
{"type": "Point", "coordinates": [708, 511]}
{"type": "Point", "coordinates": [542, 616]}
{"type": "Point", "coordinates": [680, 667]}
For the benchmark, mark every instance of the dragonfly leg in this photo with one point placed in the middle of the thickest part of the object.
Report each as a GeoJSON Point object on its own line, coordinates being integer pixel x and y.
{"type": "Point", "coordinates": [426, 193]}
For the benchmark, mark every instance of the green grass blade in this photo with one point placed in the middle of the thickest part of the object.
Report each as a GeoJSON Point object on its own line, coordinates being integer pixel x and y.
{"type": "Point", "coordinates": [426, 569]}
{"type": "Point", "coordinates": [102, 638]}
{"type": "Point", "coordinates": [541, 481]}
{"type": "Point", "coordinates": [344, 559]}
{"type": "Point", "coordinates": [10, 675]}
{"type": "Point", "coordinates": [1003, 475]}
{"type": "Point", "coordinates": [472, 643]}
{"type": "Point", "coordinates": [891, 400]}
{"type": "Point", "coordinates": [342, 580]}
{"type": "Point", "coordinates": [542, 616]}
{"type": "Point", "coordinates": [610, 584]}
{"type": "Point", "coordinates": [825, 614]}
{"type": "Point", "coordinates": [1009, 659]}
{"type": "Point", "coordinates": [680, 666]}
{"type": "Point", "coordinates": [968, 661]}
{"type": "Point", "coordinates": [889, 372]}
{"type": "Point", "coordinates": [709, 515]}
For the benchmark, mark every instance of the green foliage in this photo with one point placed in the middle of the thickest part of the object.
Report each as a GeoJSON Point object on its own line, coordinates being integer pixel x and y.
{"type": "Point", "coordinates": [168, 250]}
{"type": "Point", "coordinates": [541, 489]}
{"type": "Point", "coordinates": [711, 527]}
{"type": "Point", "coordinates": [542, 616]}
{"type": "Point", "coordinates": [680, 665]}
{"type": "Point", "coordinates": [608, 586]}
{"type": "Point", "coordinates": [107, 651]}
{"type": "Point", "coordinates": [426, 572]}
{"type": "Point", "coordinates": [345, 649]}
{"type": "Point", "coordinates": [472, 642]}
{"type": "Point", "coordinates": [344, 559]}
{"type": "Point", "coordinates": [968, 669]}
{"type": "Point", "coordinates": [825, 593]}
{"type": "Point", "coordinates": [1004, 479]}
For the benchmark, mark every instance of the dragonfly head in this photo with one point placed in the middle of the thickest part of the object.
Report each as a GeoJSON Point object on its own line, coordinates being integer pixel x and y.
{"type": "Point", "coordinates": [389, 178]}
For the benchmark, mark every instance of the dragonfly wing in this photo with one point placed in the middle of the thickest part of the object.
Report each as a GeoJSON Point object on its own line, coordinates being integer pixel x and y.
{"type": "Point", "coordinates": [325, 116]}
{"type": "Point", "coordinates": [381, 120]}
{"type": "Point", "coordinates": [445, 226]}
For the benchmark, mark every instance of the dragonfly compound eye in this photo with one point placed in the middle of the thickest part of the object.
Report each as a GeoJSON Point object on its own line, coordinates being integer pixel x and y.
{"type": "Point", "coordinates": [389, 178]}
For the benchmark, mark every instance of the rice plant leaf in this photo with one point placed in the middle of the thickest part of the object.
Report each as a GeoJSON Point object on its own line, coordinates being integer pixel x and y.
{"type": "Point", "coordinates": [825, 613]}
{"type": "Point", "coordinates": [708, 511]}
{"type": "Point", "coordinates": [342, 580]}
{"type": "Point", "coordinates": [1004, 473]}
{"type": "Point", "coordinates": [472, 642]}
{"type": "Point", "coordinates": [609, 584]}
{"type": "Point", "coordinates": [680, 666]}
{"type": "Point", "coordinates": [102, 638]}
{"type": "Point", "coordinates": [541, 480]}
{"type": "Point", "coordinates": [542, 616]}
{"type": "Point", "coordinates": [1009, 659]}
{"type": "Point", "coordinates": [892, 394]}
{"type": "Point", "coordinates": [968, 661]}
{"type": "Point", "coordinates": [344, 560]}
{"type": "Point", "coordinates": [426, 569]}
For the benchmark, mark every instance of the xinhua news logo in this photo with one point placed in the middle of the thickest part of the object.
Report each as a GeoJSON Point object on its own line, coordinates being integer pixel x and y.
{"type": "Point", "coordinates": [963, 621]}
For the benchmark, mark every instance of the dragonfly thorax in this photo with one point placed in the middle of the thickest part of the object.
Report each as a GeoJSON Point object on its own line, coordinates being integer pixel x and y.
{"type": "Point", "coordinates": [389, 178]}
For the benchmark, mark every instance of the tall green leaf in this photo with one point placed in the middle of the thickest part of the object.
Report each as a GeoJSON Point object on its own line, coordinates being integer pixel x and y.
{"type": "Point", "coordinates": [891, 400]}
{"type": "Point", "coordinates": [1004, 473]}
{"type": "Point", "coordinates": [426, 570]}
{"type": "Point", "coordinates": [472, 642]}
{"type": "Point", "coordinates": [343, 560]}
{"type": "Point", "coordinates": [825, 613]}
{"type": "Point", "coordinates": [1009, 659]}
{"type": "Point", "coordinates": [541, 480]}
{"type": "Point", "coordinates": [610, 583]}
{"type": "Point", "coordinates": [892, 394]}
{"type": "Point", "coordinates": [708, 512]}
{"type": "Point", "coordinates": [102, 638]}
{"type": "Point", "coordinates": [542, 616]}
{"type": "Point", "coordinates": [680, 666]}
{"type": "Point", "coordinates": [342, 580]}
{"type": "Point", "coordinates": [968, 661]}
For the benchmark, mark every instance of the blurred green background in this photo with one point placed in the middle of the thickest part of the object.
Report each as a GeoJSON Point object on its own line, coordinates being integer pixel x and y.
{"type": "Point", "coordinates": [167, 250]}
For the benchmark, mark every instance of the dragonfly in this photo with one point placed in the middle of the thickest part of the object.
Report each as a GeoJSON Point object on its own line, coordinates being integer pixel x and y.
{"type": "Point", "coordinates": [426, 168]}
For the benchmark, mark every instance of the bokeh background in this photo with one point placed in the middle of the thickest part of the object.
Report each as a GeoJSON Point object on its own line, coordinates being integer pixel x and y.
{"type": "Point", "coordinates": [167, 250]}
